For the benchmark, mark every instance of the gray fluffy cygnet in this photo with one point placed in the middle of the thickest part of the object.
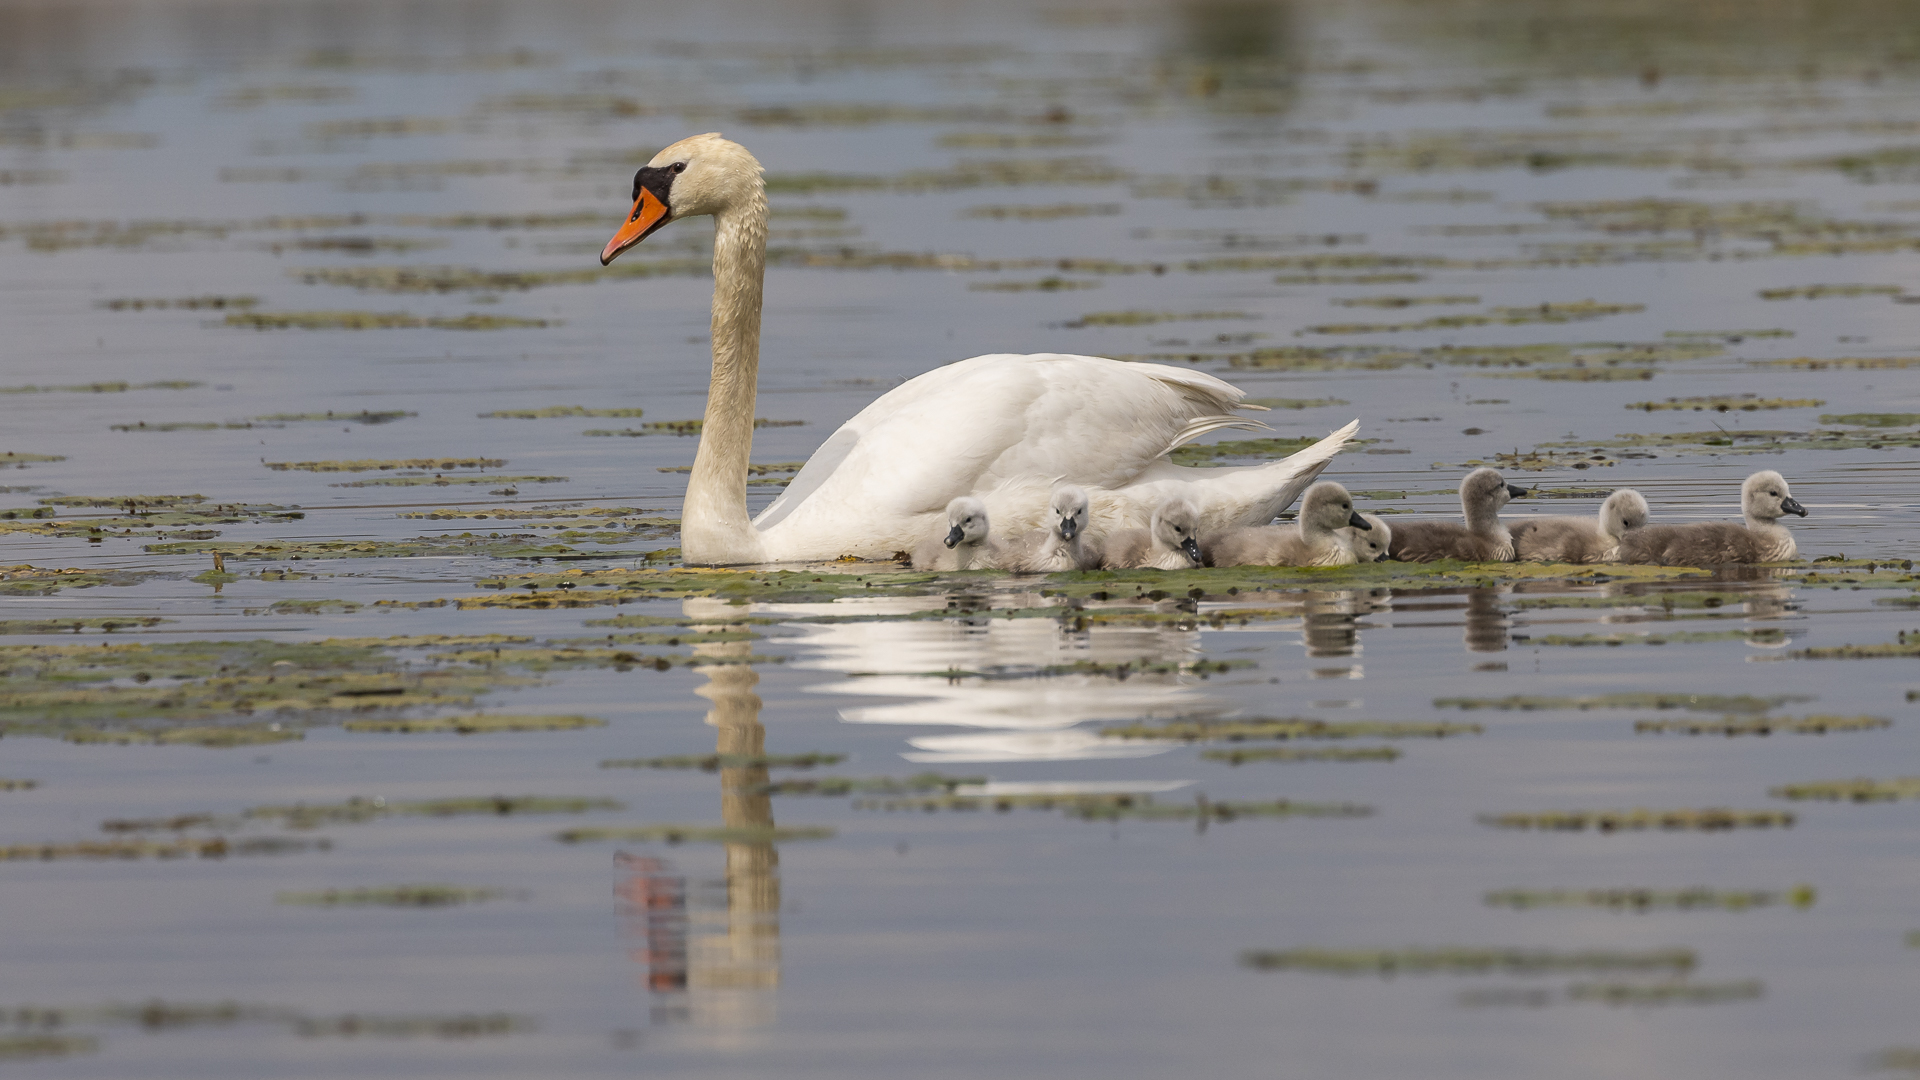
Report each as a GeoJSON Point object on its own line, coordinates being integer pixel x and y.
{"type": "Point", "coordinates": [1064, 546]}
{"type": "Point", "coordinates": [967, 543]}
{"type": "Point", "coordinates": [1313, 540]}
{"type": "Point", "coordinates": [1581, 539]}
{"type": "Point", "coordinates": [1481, 539]}
{"type": "Point", "coordinates": [1764, 498]}
{"type": "Point", "coordinates": [1169, 542]}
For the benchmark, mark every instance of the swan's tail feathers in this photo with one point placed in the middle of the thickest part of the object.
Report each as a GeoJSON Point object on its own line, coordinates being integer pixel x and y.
{"type": "Point", "coordinates": [1297, 471]}
{"type": "Point", "coordinates": [1204, 425]}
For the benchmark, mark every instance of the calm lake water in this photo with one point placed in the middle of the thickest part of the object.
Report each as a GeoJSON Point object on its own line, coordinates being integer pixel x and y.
{"type": "Point", "coordinates": [253, 251]}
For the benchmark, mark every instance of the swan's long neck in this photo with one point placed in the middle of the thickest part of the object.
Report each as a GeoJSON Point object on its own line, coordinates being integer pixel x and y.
{"type": "Point", "coordinates": [714, 526]}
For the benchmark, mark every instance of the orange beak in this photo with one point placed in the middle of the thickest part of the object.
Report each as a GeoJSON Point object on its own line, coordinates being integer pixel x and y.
{"type": "Point", "coordinates": [649, 213]}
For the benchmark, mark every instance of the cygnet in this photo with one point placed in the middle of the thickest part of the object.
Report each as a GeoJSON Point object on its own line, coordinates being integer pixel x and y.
{"type": "Point", "coordinates": [1370, 544]}
{"type": "Point", "coordinates": [1064, 546]}
{"type": "Point", "coordinates": [968, 545]}
{"type": "Point", "coordinates": [1313, 540]}
{"type": "Point", "coordinates": [1167, 543]}
{"type": "Point", "coordinates": [1763, 499]}
{"type": "Point", "coordinates": [1581, 539]}
{"type": "Point", "coordinates": [1481, 539]}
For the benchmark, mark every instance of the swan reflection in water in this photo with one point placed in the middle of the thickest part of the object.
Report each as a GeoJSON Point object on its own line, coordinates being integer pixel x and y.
{"type": "Point", "coordinates": [712, 949]}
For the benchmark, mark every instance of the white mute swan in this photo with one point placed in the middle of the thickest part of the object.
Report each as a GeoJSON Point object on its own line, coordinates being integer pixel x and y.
{"type": "Point", "coordinates": [1169, 542]}
{"type": "Point", "coordinates": [1314, 540]}
{"type": "Point", "coordinates": [1482, 539]}
{"type": "Point", "coordinates": [968, 545]}
{"type": "Point", "coordinates": [1580, 539]}
{"type": "Point", "coordinates": [1764, 499]}
{"type": "Point", "coordinates": [1002, 428]}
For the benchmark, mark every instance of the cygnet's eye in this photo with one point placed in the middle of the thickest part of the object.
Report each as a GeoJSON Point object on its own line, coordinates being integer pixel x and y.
{"type": "Point", "coordinates": [679, 166]}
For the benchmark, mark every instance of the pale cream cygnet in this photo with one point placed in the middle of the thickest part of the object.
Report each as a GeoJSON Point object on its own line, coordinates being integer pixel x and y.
{"type": "Point", "coordinates": [1064, 546]}
{"type": "Point", "coordinates": [1581, 539]}
{"type": "Point", "coordinates": [1313, 540]}
{"type": "Point", "coordinates": [1764, 498]}
{"type": "Point", "coordinates": [1481, 539]}
{"type": "Point", "coordinates": [968, 543]}
{"type": "Point", "coordinates": [1169, 542]}
{"type": "Point", "coordinates": [1370, 544]}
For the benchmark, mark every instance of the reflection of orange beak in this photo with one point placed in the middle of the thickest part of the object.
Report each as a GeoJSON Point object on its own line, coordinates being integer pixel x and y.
{"type": "Point", "coordinates": [649, 213]}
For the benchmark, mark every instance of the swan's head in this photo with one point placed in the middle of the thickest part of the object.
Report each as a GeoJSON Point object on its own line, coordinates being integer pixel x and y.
{"type": "Point", "coordinates": [1624, 509]}
{"type": "Point", "coordinates": [1328, 507]}
{"type": "Point", "coordinates": [1764, 497]}
{"type": "Point", "coordinates": [702, 174]}
{"type": "Point", "coordinates": [1069, 509]}
{"type": "Point", "coordinates": [1176, 524]}
{"type": "Point", "coordinates": [1487, 488]}
{"type": "Point", "coordinates": [1369, 545]}
{"type": "Point", "coordinates": [966, 521]}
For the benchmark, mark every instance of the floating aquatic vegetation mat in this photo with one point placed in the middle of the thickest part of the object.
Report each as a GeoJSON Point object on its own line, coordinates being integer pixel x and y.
{"type": "Point", "coordinates": [1121, 670]}
{"type": "Point", "coordinates": [1288, 728]}
{"type": "Point", "coordinates": [1906, 647]}
{"type": "Point", "coordinates": [513, 546]}
{"type": "Point", "coordinates": [1800, 898]}
{"type": "Point", "coordinates": [356, 810]}
{"type": "Point", "coordinates": [1663, 600]}
{"type": "Point", "coordinates": [7, 784]}
{"type": "Point", "coordinates": [1465, 961]}
{"type": "Point", "coordinates": [1711, 819]}
{"type": "Point", "coordinates": [1762, 725]}
{"type": "Point", "coordinates": [476, 724]}
{"type": "Point", "coordinates": [22, 460]}
{"type": "Point", "coordinates": [375, 320]}
{"type": "Point", "coordinates": [364, 416]}
{"type": "Point", "coordinates": [610, 514]}
{"type": "Point", "coordinates": [1732, 403]}
{"type": "Point", "coordinates": [445, 464]}
{"type": "Point", "coordinates": [1578, 311]}
{"type": "Point", "coordinates": [1821, 292]}
{"type": "Point", "coordinates": [1115, 806]}
{"type": "Point", "coordinates": [1579, 361]}
{"type": "Point", "coordinates": [214, 847]}
{"type": "Point", "coordinates": [103, 387]}
{"type": "Point", "coordinates": [683, 427]}
{"type": "Point", "coordinates": [1752, 636]}
{"type": "Point", "coordinates": [697, 834]}
{"type": "Point", "coordinates": [168, 692]}
{"type": "Point", "coordinates": [1678, 992]}
{"type": "Point", "coordinates": [158, 1015]}
{"type": "Point", "coordinates": [1045, 284]}
{"type": "Point", "coordinates": [835, 786]}
{"type": "Point", "coordinates": [25, 580]}
{"type": "Point", "coordinates": [180, 519]}
{"type": "Point", "coordinates": [187, 303]}
{"type": "Point", "coordinates": [1302, 753]}
{"type": "Point", "coordinates": [401, 896]}
{"type": "Point", "coordinates": [1861, 790]}
{"type": "Point", "coordinates": [441, 480]}
{"type": "Point", "coordinates": [1148, 318]}
{"type": "Point", "coordinates": [556, 411]}
{"type": "Point", "coordinates": [32, 1047]}
{"type": "Point", "coordinates": [1720, 703]}
{"type": "Point", "coordinates": [1737, 441]}
{"type": "Point", "coordinates": [106, 624]}
{"type": "Point", "coordinates": [715, 762]}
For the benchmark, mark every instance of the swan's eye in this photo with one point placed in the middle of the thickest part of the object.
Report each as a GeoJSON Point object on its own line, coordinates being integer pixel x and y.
{"type": "Point", "coordinates": [679, 166]}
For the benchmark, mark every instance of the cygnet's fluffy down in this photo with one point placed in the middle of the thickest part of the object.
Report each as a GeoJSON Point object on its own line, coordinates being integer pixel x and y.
{"type": "Point", "coordinates": [1064, 546]}
{"type": "Point", "coordinates": [1764, 498]}
{"type": "Point", "coordinates": [1578, 539]}
{"type": "Point", "coordinates": [1370, 544]}
{"type": "Point", "coordinates": [1167, 543]}
{"type": "Point", "coordinates": [1313, 540]}
{"type": "Point", "coordinates": [967, 545]}
{"type": "Point", "coordinates": [1481, 539]}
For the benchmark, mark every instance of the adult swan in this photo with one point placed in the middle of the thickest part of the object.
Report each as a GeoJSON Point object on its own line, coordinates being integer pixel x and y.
{"type": "Point", "coordinates": [1002, 428]}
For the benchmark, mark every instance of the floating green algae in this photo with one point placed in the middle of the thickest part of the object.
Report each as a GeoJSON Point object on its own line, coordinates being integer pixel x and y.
{"type": "Point", "coordinates": [21, 460]}
{"type": "Point", "coordinates": [37, 1046]}
{"type": "Point", "coordinates": [1894, 1059]}
{"type": "Point", "coordinates": [1859, 790]}
{"type": "Point", "coordinates": [191, 425]}
{"type": "Point", "coordinates": [1731, 403]}
{"type": "Point", "coordinates": [1720, 703]}
{"type": "Point", "coordinates": [1121, 670]}
{"type": "Point", "coordinates": [438, 480]}
{"type": "Point", "coordinates": [106, 624]}
{"type": "Point", "coordinates": [516, 546]}
{"type": "Point", "coordinates": [103, 387]}
{"type": "Point", "coordinates": [1302, 753]}
{"type": "Point", "coordinates": [201, 735]}
{"type": "Point", "coordinates": [1877, 420]}
{"type": "Point", "coordinates": [16, 784]}
{"type": "Point", "coordinates": [1821, 292]}
{"type": "Point", "coordinates": [186, 520]}
{"type": "Point", "coordinates": [1400, 301]}
{"type": "Point", "coordinates": [375, 320]}
{"type": "Point", "coordinates": [308, 607]}
{"type": "Point", "coordinates": [476, 724]}
{"type": "Point", "coordinates": [1148, 318]}
{"type": "Point", "coordinates": [1048, 212]}
{"type": "Point", "coordinates": [1699, 898]}
{"type": "Point", "coordinates": [25, 580]}
{"type": "Point", "coordinates": [1665, 600]}
{"type": "Point", "coordinates": [683, 427]}
{"type": "Point", "coordinates": [1115, 806]}
{"type": "Point", "coordinates": [554, 411]}
{"type": "Point", "coordinates": [715, 762]}
{"type": "Point", "coordinates": [1295, 403]}
{"type": "Point", "coordinates": [1903, 649]}
{"type": "Point", "coordinates": [358, 809]}
{"type": "Point", "coordinates": [1753, 636]}
{"type": "Point", "coordinates": [216, 847]}
{"type": "Point", "coordinates": [1287, 728]}
{"type": "Point", "coordinates": [385, 464]}
{"type": "Point", "coordinates": [364, 416]}
{"type": "Point", "coordinates": [1045, 284]}
{"type": "Point", "coordinates": [402, 896]}
{"type": "Point", "coordinates": [1667, 992]}
{"type": "Point", "coordinates": [1711, 819]}
{"type": "Point", "coordinates": [1465, 961]}
{"type": "Point", "coordinates": [1198, 454]}
{"type": "Point", "coordinates": [1762, 725]}
{"type": "Point", "coordinates": [1737, 441]}
{"type": "Point", "coordinates": [186, 303]}
{"type": "Point", "coordinates": [1500, 316]}
{"type": "Point", "coordinates": [697, 834]}
{"type": "Point", "coordinates": [539, 513]}
{"type": "Point", "coordinates": [835, 786]}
